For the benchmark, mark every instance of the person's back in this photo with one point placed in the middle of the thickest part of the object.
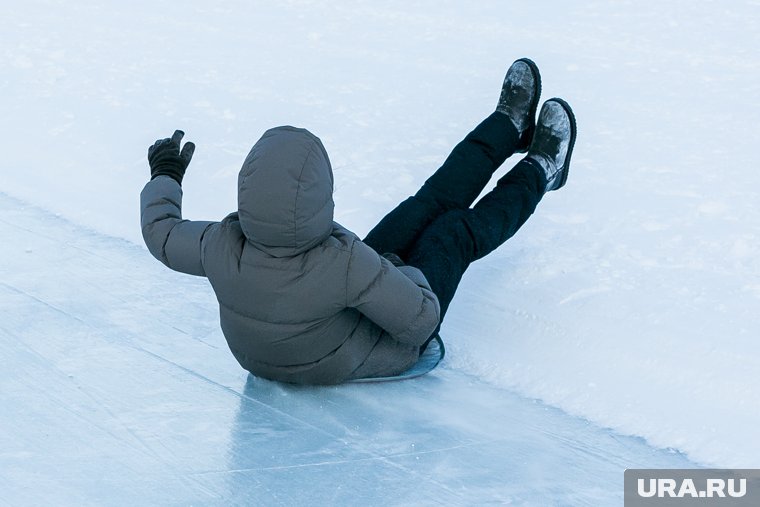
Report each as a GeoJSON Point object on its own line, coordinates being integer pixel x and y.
{"type": "Point", "coordinates": [304, 300]}
{"type": "Point", "coordinates": [301, 298]}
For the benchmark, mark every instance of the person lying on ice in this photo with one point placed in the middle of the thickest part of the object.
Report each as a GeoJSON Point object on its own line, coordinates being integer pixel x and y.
{"type": "Point", "coordinates": [302, 299]}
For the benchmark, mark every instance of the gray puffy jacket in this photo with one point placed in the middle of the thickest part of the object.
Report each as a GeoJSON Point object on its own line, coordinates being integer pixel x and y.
{"type": "Point", "coordinates": [301, 299]}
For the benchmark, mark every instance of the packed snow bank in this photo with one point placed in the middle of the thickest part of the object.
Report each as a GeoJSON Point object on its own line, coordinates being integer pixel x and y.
{"type": "Point", "coordinates": [118, 389]}
{"type": "Point", "coordinates": [630, 298]}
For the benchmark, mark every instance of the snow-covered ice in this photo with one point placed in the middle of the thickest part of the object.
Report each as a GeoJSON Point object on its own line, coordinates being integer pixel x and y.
{"type": "Point", "coordinates": [118, 389]}
{"type": "Point", "coordinates": [630, 301]}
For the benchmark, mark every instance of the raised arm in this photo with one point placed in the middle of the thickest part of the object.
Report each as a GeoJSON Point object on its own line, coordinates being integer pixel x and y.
{"type": "Point", "coordinates": [172, 240]}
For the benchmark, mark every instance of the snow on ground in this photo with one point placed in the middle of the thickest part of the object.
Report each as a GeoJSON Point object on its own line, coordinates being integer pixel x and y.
{"type": "Point", "coordinates": [630, 299]}
{"type": "Point", "coordinates": [118, 389]}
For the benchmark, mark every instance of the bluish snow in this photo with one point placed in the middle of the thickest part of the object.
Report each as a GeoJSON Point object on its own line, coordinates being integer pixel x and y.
{"type": "Point", "coordinates": [629, 301]}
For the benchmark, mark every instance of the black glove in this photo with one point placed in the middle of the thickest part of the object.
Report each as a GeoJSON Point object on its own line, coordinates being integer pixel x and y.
{"type": "Point", "coordinates": [165, 158]}
{"type": "Point", "coordinates": [394, 259]}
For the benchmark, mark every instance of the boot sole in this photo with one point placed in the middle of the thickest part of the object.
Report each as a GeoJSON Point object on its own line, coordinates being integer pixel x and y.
{"type": "Point", "coordinates": [528, 136]}
{"type": "Point", "coordinates": [571, 145]}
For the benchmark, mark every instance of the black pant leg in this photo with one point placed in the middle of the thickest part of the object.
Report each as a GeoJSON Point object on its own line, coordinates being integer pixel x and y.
{"type": "Point", "coordinates": [472, 162]}
{"type": "Point", "coordinates": [455, 185]}
{"type": "Point", "coordinates": [502, 211]}
{"type": "Point", "coordinates": [400, 228]}
{"type": "Point", "coordinates": [457, 238]}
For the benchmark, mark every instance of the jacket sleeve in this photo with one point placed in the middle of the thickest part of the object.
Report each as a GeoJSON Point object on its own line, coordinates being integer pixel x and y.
{"type": "Point", "coordinates": [173, 241]}
{"type": "Point", "coordinates": [399, 300]}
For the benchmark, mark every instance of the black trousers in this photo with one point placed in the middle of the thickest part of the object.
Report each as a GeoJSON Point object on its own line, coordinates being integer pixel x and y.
{"type": "Point", "coordinates": [437, 230]}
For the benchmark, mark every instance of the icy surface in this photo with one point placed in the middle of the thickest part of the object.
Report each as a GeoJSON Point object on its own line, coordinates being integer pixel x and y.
{"type": "Point", "coordinates": [630, 299]}
{"type": "Point", "coordinates": [118, 389]}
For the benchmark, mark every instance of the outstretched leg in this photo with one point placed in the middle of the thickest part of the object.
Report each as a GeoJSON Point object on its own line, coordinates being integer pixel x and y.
{"type": "Point", "coordinates": [469, 167]}
{"type": "Point", "coordinates": [455, 185]}
{"type": "Point", "coordinates": [459, 237]}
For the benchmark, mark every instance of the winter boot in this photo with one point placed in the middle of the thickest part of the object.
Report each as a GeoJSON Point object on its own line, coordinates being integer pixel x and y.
{"type": "Point", "coordinates": [519, 99]}
{"type": "Point", "coordinates": [553, 142]}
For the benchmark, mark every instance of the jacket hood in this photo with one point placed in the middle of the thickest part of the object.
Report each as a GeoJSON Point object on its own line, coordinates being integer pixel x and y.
{"type": "Point", "coordinates": [285, 188]}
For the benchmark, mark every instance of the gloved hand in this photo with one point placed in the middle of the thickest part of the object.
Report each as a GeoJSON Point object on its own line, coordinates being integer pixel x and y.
{"type": "Point", "coordinates": [165, 158]}
{"type": "Point", "coordinates": [395, 259]}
